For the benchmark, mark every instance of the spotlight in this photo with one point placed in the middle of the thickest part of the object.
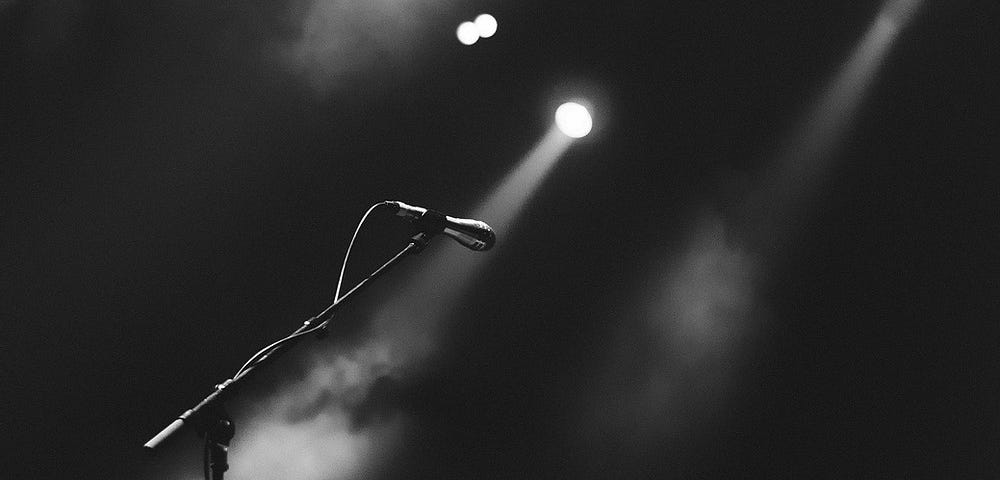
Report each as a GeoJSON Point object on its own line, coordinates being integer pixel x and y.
{"type": "Point", "coordinates": [574, 120]}
{"type": "Point", "coordinates": [467, 33]}
{"type": "Point", "coordinates": [486, 25]}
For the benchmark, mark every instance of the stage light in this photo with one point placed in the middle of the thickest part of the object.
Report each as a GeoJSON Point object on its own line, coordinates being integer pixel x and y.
{"type": "Point", "coordinates": [574, 120]}
{"type": "Point", "coordinates": [467, 33]}
{"type": "Point", "coordinates": [486, 25]}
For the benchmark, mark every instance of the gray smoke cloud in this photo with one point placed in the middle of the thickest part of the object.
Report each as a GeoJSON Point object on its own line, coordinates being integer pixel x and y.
{"type": "Point", "coordinates": [319, 427]}
{"type": "Point", "coordinates": [364, 45]}
{"type": "Point", "coordinates": [676, 356]}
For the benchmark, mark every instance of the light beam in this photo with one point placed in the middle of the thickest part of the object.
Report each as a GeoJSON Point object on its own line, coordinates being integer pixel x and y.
{"type": "Point", "coordinates": [430, 296]}
{"type": "Point", "coordinates": [698, 318]}
{"type": "Point", "coordinates": [803, 160]}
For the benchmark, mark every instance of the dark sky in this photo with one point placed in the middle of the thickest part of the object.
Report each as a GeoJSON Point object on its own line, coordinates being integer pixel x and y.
{"type": "Point", "coordinates": [180, 182]}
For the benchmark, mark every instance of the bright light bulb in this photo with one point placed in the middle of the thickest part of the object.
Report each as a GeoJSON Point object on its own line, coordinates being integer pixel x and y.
{"type": "Point", "coordinates": [467, 33]}
{"type": "Point", "coordinates": [574, 120]}
{"type": "Point", "coordinates": [486, 25]}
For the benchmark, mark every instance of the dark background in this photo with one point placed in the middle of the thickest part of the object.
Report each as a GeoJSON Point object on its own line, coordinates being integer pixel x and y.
{"type": "Point", "coordinates": [173, 200]}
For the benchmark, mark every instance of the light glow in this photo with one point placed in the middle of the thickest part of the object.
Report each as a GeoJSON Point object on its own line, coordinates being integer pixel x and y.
{"type": "Point", "coordinates": [574, 120]}
{"type": "Point", "coordinates": [467, 33]}
{"type": "Point", "coordinates": [486, 25]}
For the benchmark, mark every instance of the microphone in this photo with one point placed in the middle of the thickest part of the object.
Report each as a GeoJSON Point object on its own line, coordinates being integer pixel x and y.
{"type": "Point", "coordinates": [474, 234]}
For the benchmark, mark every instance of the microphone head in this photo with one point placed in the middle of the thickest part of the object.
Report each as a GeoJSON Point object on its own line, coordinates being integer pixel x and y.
{"type": "Point", "coordinates": [474, 234]}
{"type": "Point", "coordinates": [491, 238]}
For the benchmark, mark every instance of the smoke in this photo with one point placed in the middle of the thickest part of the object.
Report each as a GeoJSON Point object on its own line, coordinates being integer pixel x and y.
{"type": "Point", "coordinates": [346, 411]}
{"type": "Point", "coordinates": [706, 297]}
{"type": "Point", "coordinates": [677, 353]}
{"type": "Point", "coordinates": [327, 425]}
{"type": "Point", "coordinates": [362, 45]}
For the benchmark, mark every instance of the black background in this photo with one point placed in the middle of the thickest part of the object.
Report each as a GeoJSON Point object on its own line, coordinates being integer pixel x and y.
{"type": "Point", "coordinates": [173, 201]}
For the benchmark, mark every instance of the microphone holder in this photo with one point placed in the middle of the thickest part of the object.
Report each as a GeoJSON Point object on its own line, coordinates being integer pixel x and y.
{"type": "Point", "coordinates": [209, 418]}
{"type": "Point", "coordinates": [217, 437]}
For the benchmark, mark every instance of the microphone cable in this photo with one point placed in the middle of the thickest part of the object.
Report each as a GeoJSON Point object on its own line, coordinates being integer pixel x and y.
{"type": "Point", "coordinates": [343, 266]}
{"type": "Point", "coordinates": [257, 357]}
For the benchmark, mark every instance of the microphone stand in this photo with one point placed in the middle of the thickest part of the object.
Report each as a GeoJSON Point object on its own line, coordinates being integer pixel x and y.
{"type": "Point", "coordinates": [209, 418]}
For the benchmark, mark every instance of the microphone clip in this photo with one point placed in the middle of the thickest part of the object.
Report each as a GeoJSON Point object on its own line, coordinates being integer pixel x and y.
{"type": "Point", "coordinates": [420, 241]}
{"type": "Point", "coordinates": [431, 222]}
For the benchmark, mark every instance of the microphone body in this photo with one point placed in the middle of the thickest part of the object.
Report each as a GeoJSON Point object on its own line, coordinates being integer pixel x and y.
{"type": "Point", "coordinates": [473, 234]}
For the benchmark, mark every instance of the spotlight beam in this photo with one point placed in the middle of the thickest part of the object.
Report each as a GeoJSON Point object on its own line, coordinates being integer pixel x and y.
{"type": "Point", "coordinates": [703, 305]}
{"type": "Point", "coordinates": [804, 159]}
{"type": "Point", "coordinates": [428, 297]}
